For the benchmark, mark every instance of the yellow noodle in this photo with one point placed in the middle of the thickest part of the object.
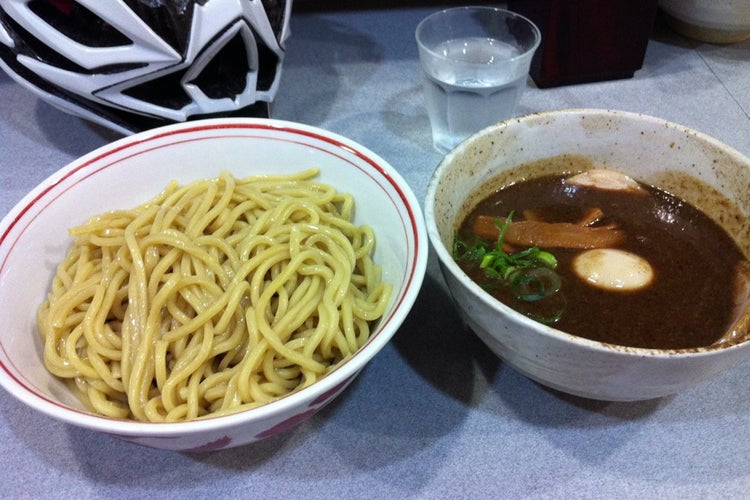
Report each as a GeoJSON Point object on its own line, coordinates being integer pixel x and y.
{"type": "Point", "coordinates": [213, 297]}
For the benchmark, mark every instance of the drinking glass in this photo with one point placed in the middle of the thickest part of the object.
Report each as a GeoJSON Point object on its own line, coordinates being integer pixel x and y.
{"type": "Point", "coordinates": [475, 62]}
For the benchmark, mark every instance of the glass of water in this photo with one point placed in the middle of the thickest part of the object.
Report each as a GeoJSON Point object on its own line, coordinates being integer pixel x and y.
{"type": "Point", "coordinates": [475, 62]}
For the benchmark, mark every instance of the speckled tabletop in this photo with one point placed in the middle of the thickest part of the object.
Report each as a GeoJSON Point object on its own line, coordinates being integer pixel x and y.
{"type": "Point", "coordinates": [435, 414]}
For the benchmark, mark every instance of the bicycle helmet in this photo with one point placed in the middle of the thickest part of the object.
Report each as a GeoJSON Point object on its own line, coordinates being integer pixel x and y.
{"type": "Point", "coordinates": [132, 65]}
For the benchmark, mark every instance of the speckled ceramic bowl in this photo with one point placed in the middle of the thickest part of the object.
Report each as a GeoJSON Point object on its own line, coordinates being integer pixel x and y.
{"type": "Point", "coordinates": [126, 173]}
{"type": "Point", "coordinates": [722, 21]}
{"type": "Point", "coordinates": [691, 165]}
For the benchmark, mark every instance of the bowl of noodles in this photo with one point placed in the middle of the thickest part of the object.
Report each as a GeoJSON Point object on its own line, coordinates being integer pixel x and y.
{"type": "Point", "coordinates": [208, 284]}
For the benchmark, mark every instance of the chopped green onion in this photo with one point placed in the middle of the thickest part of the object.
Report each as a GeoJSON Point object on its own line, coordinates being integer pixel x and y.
{"type": "Point", "coordinates": [547, 259]}
{"type": "Point", "coordinates": [535, 283]}
{"type": "Point", "coordinates": [529, 272]}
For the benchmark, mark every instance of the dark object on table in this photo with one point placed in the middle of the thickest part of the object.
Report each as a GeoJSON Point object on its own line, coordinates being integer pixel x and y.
{"type": "Point", "coordinates": [134, 65]}
{"type": "Point", "coordinates": [588, 40]}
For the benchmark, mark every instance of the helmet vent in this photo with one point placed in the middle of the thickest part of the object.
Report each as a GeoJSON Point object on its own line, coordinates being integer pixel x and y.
{"type": "Point", "coordinates": [267, 66]}
{"type": "Point", "coordinates": [165, 91]}
{"type": "Point", "coordinates": [171, 19]}
{"type": "Point", "coordinates": [225, 76]}
{"type": "Point", "coordinates": [276, 15]}
{"type": "Point", "coordinates": [78, 23]}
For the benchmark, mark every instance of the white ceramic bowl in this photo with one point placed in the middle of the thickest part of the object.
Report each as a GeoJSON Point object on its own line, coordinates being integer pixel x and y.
{"type": "Point", "coordinates": [33, 239]}
{"type": "Point", "coordinates": [651, 150]}
{"type": "Point", "coordinates": [713, 21]}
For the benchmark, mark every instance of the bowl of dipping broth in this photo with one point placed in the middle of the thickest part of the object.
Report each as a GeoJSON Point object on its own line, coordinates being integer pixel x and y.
{"type": "Point", "coordinates": [207, 284]}
{"type": "Point", "coordinates": [600, 253]}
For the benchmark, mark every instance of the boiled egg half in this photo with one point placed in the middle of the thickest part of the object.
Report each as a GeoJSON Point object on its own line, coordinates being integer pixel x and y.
{"type": "Point", "coordinates": [613, 269]}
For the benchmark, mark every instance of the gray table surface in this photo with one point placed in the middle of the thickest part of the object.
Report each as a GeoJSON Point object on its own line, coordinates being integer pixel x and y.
{"type": "Point", "coordinates": [435, 414]}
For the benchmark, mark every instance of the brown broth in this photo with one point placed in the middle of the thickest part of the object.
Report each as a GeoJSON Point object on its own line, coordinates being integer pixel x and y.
{"type": "Point", "coordinates": [690, 302]}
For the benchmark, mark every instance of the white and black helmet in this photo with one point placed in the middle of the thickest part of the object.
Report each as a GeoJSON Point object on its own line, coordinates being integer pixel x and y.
{"type": "Point", "coordinates": [132, 65]}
